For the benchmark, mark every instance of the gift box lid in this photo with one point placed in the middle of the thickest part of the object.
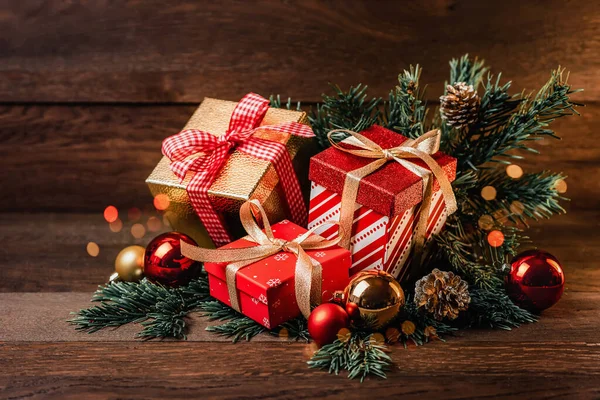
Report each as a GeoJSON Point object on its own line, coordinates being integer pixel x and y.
{"type": "Point", "coordinates": [264, 277]}
{"type": "Point", "coordinates": [392, 189]}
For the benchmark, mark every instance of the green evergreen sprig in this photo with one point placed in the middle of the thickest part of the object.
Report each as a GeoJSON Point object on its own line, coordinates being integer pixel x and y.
{"type": "Point", "coordinates": [358, 354]}
{"type": "Point", "coordinates": [491, 308]}
{"type": "Point", "coordinates": [344, 110]}
{"type": "Point", "coordinates": [405, 111]}
{"type": "Point", "coordinates": [235, 325]}
{"type": "Point", "coordinates": [160, 310]}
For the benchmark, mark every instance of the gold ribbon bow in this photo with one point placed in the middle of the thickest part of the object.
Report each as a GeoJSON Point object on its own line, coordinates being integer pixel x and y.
{"type": "Point", "coordinates": [421, 148]}
{"type": "Point", "coordinates": [308, 271]}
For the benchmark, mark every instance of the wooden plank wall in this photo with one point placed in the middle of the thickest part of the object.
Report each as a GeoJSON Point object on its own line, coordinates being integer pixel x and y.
{"type": "Point", "coordinates": [89, 89]}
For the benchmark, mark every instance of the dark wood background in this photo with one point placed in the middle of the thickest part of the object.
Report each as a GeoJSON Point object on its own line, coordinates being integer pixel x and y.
{"type": "Point", "coordinates": [88, 89]}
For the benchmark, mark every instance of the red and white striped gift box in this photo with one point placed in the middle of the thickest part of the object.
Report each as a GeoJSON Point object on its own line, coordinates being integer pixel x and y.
{"type": "Point", "coordinates": [387, 208]}
{"type": "Point", "coordinates": [378, 241]}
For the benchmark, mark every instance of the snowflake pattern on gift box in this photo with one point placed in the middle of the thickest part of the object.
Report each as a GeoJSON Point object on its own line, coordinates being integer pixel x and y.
{"type": "Point", "coordinates": [285, 221]}
{"type": "Point", "coordinates": [274, 282]}
{"type": "Point", "coordinates": [277, 303]}
{"type": "Point", "coordinates": [320, 254]}
{"type": "Point", "coordinates": [266, 323]}
{"type": "Point", "coordinates": [282, 257]}
{"type": "Point", "coordinates": [261, 299]}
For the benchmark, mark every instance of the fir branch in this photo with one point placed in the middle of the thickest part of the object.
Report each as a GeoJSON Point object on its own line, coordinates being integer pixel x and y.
{"type": "Point", "coordinates": [358, 354]}
{"type": "Point", "coordinates": [275, 102]}
{"type": "Point", "coordinates": [493, 309]}
{"type": "Point", "coordinates": [295, 329]}
{"type": "Point", "coordinates": [530, 123]}
{"type": "Point", "coordinates": [405, 110]}
{"type": "Point", "coordinates": [423, 323]}
{"type": "Point", "coordinates": [236, 325]}
{"type": "Point", "coordinates": [461, 256]}
{"type": "Point", "coordinates": [535, 191]}
{"type": "Point", "coordinates": [495, 111]}
{"type": "Point", "coordinates": [167, 320]}
{"type": "Point", "coordinates": [466, 70]}
{"type": "Point", "coordinates": [161, 310]}
{"type": "Point", "coordinates": [344, 110]}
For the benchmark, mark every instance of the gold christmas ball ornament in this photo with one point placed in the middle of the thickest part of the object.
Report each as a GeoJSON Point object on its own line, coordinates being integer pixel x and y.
{"type": "Point", "coordinates": [377, 296]}
{"type": "Point", "coordinates": [129, 264]}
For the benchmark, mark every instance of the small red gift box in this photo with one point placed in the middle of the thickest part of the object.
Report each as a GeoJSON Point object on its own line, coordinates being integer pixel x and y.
{"type": "Point", "coordinates": [266, 288]}
{"type": "Point", "coordinates": [387, 209]}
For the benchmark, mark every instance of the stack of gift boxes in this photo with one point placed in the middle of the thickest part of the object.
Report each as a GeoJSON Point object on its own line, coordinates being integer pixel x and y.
{"type": "Point", "coordinates": [386, 211]}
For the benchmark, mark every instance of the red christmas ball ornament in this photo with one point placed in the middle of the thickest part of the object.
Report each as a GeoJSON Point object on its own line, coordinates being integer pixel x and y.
{"type": "Point", "coordinates": [353, 310]}
{"type": "Point", "coordinates": [164, 263]}
{"type": "Point", "coordinates": [536, 280]}
{"type": "Point", "coordinates": [325, 321]}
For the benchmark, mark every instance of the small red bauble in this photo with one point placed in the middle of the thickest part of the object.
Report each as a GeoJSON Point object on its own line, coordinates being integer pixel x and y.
{"type": "Point", "coordinates": [325, 321]}
{"type": "Point", "coordinates": [353, 310]}
{"type": "Point", "coordinates": [536, 280]}
{"type": "Point", "coordinates": [164, 263]}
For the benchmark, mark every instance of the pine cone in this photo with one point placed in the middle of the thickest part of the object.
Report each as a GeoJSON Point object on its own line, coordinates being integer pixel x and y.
{"type": "Point", "coordinates": [459, 107]}
{"type": "Point", "coordinates": [443, 294]}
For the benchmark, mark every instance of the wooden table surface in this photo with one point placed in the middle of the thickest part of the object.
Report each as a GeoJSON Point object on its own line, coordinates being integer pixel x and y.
{"type": "Point", "coordinates": [89, 90]}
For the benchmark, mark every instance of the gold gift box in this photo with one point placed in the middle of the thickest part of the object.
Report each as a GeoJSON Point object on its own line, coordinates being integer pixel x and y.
{"type": "Point", "coordinates": [242, 178]}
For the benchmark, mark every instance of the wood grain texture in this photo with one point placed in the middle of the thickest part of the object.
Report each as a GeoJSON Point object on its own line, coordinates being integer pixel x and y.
{"type": "Point", "coordinates": [159, 51]}
{"type": "Point", "coordinates": [265, 370]}
{"type": "Point", "coordinates": [83, 158]}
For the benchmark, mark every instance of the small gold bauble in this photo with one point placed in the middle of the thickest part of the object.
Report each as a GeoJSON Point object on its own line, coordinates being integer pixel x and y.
{"type": "Point", "coordinates": [378, 296]}
{"type": "Point", "coordinates": [129, 263]}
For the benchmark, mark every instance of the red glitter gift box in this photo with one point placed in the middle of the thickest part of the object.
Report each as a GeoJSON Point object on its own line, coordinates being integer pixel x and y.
{"type": "Point", "coordinates": [387, 209]}
{"type": "Point", "coordinates": [266, 288]}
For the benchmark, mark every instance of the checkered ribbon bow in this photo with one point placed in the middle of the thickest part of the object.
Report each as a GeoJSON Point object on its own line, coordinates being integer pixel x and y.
{"type": "Point", "coordinates": [204, 154]}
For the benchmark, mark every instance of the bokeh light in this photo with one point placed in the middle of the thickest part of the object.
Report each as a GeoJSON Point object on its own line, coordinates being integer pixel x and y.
{"type": "Point", "coordinates": [134, 214]}
{"type": "Point", "coordinates": [284, 333]}
{"type": "Point", "coordinates": [377, 338]}
{"type": "Point", "coordinates": [486, 222]}
{"type": "Point", "coordinates": [161, 202]}
{"type": "Point", "coordinates": [154, 224]}
{"type": "Point", "coordinates": [116, 226]}
{"type": "Point", "coordinates": [93, 249]}
{"type": "Point", "coordinates": [138, 231]}
{"type": "Point", "coordinates": [111, 214]}
{"type": "Point", "coordinates": [488, 193]}
{"type": "Point", "coordinates": [392, 335]}
{"type": "Point", "coordinates": [501, 214]}
{"type": "Point", "coordinates": [514, 171]}
{"type": "Point", "coordinates": [517, 208]}
{"type": "Point", "coordinates": [495, 238]}
{"type": "Point", "coordinates": [561, 186]}
{"type": "Point", "coordinates": [408, 328]}
{"type": "Point", "coordinates": [430, 331]}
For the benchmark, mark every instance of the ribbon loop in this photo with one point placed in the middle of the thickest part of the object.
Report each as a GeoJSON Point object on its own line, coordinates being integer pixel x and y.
{"type": "Point", "coordinates": [422, 149]}
{"type": "Point", "coordinates": [308, 275]}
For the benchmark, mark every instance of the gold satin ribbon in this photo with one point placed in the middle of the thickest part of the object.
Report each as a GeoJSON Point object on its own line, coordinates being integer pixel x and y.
{"type": "Point", "coordinates": [421, 148]}
{"type": "Point", "coordinates": [308, 271]}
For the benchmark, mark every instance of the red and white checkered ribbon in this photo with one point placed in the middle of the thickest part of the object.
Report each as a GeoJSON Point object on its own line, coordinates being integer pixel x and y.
{"type": "Point", "coordinates": [203, 153]}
